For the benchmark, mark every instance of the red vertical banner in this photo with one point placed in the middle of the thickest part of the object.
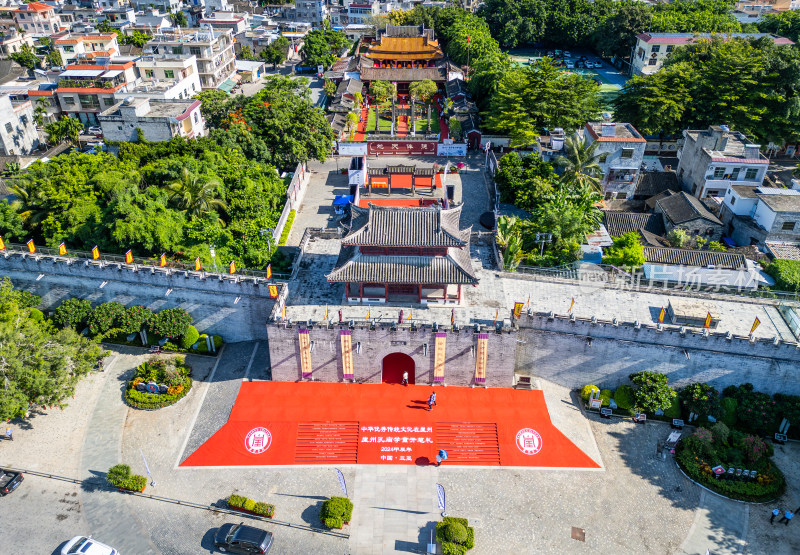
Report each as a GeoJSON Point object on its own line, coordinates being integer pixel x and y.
{"type": "Point", "coordinates": [273, 290]}
{"type": "Point", "coordinates": [305, 353]}
{"type": "Point", "coordinates": [197, 265]}
{"type": "Point", "coordinates": [269, 271]}
{"type": "Point", "coordinates": [518, 310]}
{"type": "Point", "coordinates": [31, 246]}
{"type": "Point", "coordinates": [95, 252]}
{"type": "Point", "coordinates": [707, 323]}
{"type": "Point", "coordinates": [62, 249]}
{"type": "Point", "coordinates": [162, 260]}
{"type": "Point", "coordinates": [439, 357]}
{"type": "Point", "coordinates": [345, 340]}
{"type": "Point", "coordinates": [481, 356]}
{"type": "Point", "coordinates": [129, 257]}
{"type": "Point", "coordinates": [232, 267]}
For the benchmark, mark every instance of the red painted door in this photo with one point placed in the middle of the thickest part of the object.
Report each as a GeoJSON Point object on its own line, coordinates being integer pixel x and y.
{"type": "Point", "coordinates": [393, 367]}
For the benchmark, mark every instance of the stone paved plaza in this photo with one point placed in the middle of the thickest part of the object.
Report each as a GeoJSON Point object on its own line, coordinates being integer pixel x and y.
{"type": "Point", "coordinates": [637, 503]}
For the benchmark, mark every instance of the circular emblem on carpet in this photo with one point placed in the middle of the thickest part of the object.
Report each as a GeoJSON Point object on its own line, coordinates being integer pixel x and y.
{"type": "Point", "coordinates": [258, 440]}
{"type": "Point", "coordinates": [529, 441]}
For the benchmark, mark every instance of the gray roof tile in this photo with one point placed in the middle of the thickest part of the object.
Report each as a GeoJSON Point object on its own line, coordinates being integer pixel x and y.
{"type": "Point", "coordinates": [391, 226]}
{"type": "Point", "coordinates": [687, 257]}
{"type": "Point", "coordinates": [620, 223]}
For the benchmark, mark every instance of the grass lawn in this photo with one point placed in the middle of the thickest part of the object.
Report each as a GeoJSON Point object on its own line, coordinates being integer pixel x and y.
{"type": "Point", "coordinates": [422, 123]}
{"type": "Point", "coordinates": [385, 123]}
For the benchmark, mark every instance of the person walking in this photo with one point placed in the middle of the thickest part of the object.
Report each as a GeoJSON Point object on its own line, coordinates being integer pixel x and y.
{"type": "Point", "coordinates": [787, 516]}
{"type": "Point", "coordinates": [441, 456]}
{"type": "Point", "coordinates": [433, 397]}
{"type": "Point", "coordinates": [405, 378]}
{"type": "Point", "coordinates": [430, 402]}
{"type": "Point", "coordinates": [9, 434]}
{"type": "Point", "coordinates": [775, 512]}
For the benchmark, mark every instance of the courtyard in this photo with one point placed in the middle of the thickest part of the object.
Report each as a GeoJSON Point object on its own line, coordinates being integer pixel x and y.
{"type": "Point", "coordinates": [636, 503]}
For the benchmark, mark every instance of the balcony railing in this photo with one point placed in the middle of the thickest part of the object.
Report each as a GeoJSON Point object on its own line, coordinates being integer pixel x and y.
{"type": "Point", "coordinates": [88, 83]}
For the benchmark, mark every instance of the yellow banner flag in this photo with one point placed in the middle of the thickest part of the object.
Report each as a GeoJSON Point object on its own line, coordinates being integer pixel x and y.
{"type": "Point", "coordinates": [283, 310]}
{"type": "Point", "coordinates": [528, 303]}
{"type": "Point", "coordinates": [197, 266]}
{"type": "Point", "coordinates": [756, 323]}
{"type": "Point", "coordinates": [129, 257]}
{"type": "Point", "coordinates": [326, 313]}
{"type": "Point", "coordinates": [31, 246]}
{"type": "Point", "coordinates": [369, 311]}
{"type": "Point", "coordinates": [410, 313]}
{"type": "Point", "coordinates": [661, 315]}
{"type": "Point", "coordinates": [707, 323]}
{"type": "Point", "coordinates": [95, 253]}
{"type": "Point", "coordinates": [496, 313]}
{"type": "Point", "coordinates": [518, 310]}
{"type": "Point", "coordinates": [571, 305]}
{"type": "Point", "coordinates": [62, 249]}
{"type": "Point", "coordinates": [162, 260]}
{"type": "Point", "coordinates": [232, 267]}
{"type": "Point", "coordinates": [2, 245]}
{"type": "Point", "coordinates": [269, 271]}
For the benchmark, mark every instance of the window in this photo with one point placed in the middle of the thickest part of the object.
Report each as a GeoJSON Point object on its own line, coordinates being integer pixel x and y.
{"type": "Point", "coordinates": [119, 128]}
{"type": "Point", "coordinates": [603, 157]}
{"type": "Point", "coordinates": [169, 74]}
{"type": "Point", "coordinates": [69, 100]}
{"type": "Point", "coordinates": [108, 101]}
{"type": "Point", "coordinates": [787, 226]}
{"type": "Point", "coordinates": [733, 200]}
{"type": "Point", "coordinates": [195, 50]}
{"type": "Point", "coordinates": [651, 62]}
{"type": "Point", "coordinates": [148, 73]}
{"type": "Point", "coordinates": [750, 174]}
{"type": "Point", "coordinates": [177, 50]}
{"type": "Point", "coordinates": [69, 49]}
{"type": "Point", "coordinates": [196, 119]}
{"type": "Point", "coordinates": [656, 48]}
{"type": "Point", "coordinates": [24, 119]}
{"type": "Point", "coordinates": [9, 128]}
{"type": "Point", "coordinates": [89, 102]}
{"type": "Point", "coordinates": [626, 153]}
{"type": "Point", "coordinates": [670, 48]}
{"type": "Point", "coordinates": [719, 173]}
{"type": "Point", "coordinates": [735, 173]}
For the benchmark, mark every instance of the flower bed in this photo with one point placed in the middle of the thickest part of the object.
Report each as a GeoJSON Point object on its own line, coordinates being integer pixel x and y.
{"type": "Point", "coordinates": [246, 505]}
{"type": "Point", "coordinates": [173, 373]}
{"type": "Point", "coordinates": [699, 453]}
{"type": "Point", "coordinates": [121, 478]}
{"type": "Point", "coordinates": [336, 512]}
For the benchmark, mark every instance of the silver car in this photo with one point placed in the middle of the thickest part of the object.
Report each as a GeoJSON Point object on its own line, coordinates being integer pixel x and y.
{"type": "Point", "coordinates": [86, 545]}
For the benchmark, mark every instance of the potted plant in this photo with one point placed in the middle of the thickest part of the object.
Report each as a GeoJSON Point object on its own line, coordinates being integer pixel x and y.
{"type": "Point", "coordinates": [246, 505]}
{"type": "Point", "coordinates": [336, 512]}
{"type": "Point", "coordinates": [121, 478]}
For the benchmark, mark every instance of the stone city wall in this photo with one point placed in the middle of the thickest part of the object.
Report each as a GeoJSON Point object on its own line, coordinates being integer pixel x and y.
{"type": "Point", "coordinates": [235, 307]}
{"type": "Point", "coordinates": [575, 353]}
{"type": "Point", "coordinates": [375, 343]}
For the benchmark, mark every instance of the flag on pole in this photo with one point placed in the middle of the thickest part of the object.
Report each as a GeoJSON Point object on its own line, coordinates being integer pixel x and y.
{"type": "Point", "coordinates": [232, 268]}
{"type": "Point", "coordinates": [62, 249]}
{"type": "Point", "coordinates": [410, 312]}
{"type": "Point", "coordinates": [369, 311]}
{"type": "Point", "coordinates": [269, 271]}
{"type": "Point", "coordinates": [518, 310]}
{"type": "Point", "coordinates": [452, 316]}
{"type": "Point", "coordinates": [571, 305]}
{"type": "Point", "coordinates": [2, 245]}
{"type": "Point", "coordinates": [341, 481]}
{"type": "Point", "coordinates": [31, 246]}
{"type": "Point", "coordinates": [440, 495]}
{"type": "Point", "coordinates": [496, 313]}
{"type": "Point", "coordinates": [162, 260]}
{"type": "Point", "coordinates": [283, 313]}
{"type": "Point", "coordinates": [326, 313]}
{"type": "Point", "coordinates": [129, 257]}
{"type": "Point", "coordinates": [661, 315]}
{"type": "Point", "coordinates": [197, 265]}
{"type": "Point", "coordinates": [707, 323]}
{"type": "Point", "coordinates": [273, 290]}
{"type": "Point", "coordinates": [95, 252]}
{"type": "Point", "coordinates": [756, 323]}
{"type": "Point", "coordinates": [528, 302]}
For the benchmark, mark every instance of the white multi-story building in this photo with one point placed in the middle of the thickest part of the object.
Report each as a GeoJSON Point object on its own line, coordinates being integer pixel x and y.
{"type": "Point", "coordinates": [18, 134]}
{"type": "Point", "coordinates": [85, 90]}
{"type": "Point", "coordinates": [12, 42]}
{"type": "Point", "coordinates": [165, 6]}
{"type": "Point", "coordinates": [86, 46]}
{"type": "Point", "coordinates": [165, 77]}
{"type": "Point", "coordinates": [359, 11]}
{"type": "Point", "coordinates": [213, 50]}
{"type": "Point", "coordinates": [212, 6]}
{"type": "Point", "coordinates": [37, 19]}
{"type": "Point", "coordinates": [312, 11]}
{"type": "Point", "coordinates": [159, 120]}
{"type": "Point", "coordinates": [652, 49]}
{"type": "Point", "coordinates": [620, 153]}
{"type": "Point", "coordinates": [226, 20]}
{"type": "Point", "coordinates": [711, 161]}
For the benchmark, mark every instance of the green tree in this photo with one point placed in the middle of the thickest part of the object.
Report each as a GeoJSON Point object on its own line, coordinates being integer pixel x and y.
{"type": "Point", "coordinates": [506, 230]}
{"type": "Point", "coordinates": [524, 181]}
{"type": "Point", "coordinates": [171, 322]}
{"type": "Point", "coordinates": [423, 91]}
{"type": "Point", "coordinates": [652, 392]}
{"type": "Point", "coordinates": [40, 112]}
{"type": "Point", "coordinates": [72, 312]}
{"type": "Point", "coordinates": [469, 40]}
{"type": "Point", "coordinates": [626, 251]}
{"type": "Point", "coordinates": [26, 57]}
{"type": "Point", "coordinates": [786, 274]}
{"type": "Point", "coordinates": [382, 91]}
{"type": "Point", "coordinates": [352, 123]}
{"type": "Point", "coordinates": [40, 366]}
{"type": "Point", "coordinates": [11, 225]}
{"type": "Point", "coordinates": [784, 24]}
{"type": "Point", "coordinates": [246, 53]}
{"type": "Point", "coordinates": [581, 163]}
{"type": "Point", "coordinates": [276, 52]}
{"type": "Point", "coordinates": [616, 35]}
{"type": "Point", "coordinates": [66, 129]}
{"type": "Point", "coordinates": [104, 317]}
{"type": "Point", "coordinates": [454, 126]}
{"type": "Point", "coordinates": [134, 38]}
{"type": "Point", "coordinates": [214, 106]}
{"type": "Point", "coordinates": [329, 87]}
{"type": "Point", "coordinates": [179, 19]}
{"type": "Point", "coordinates": [321, 47]}
{"type": "Point", "coordinates": [532, 98]}
{"type": "Point", "coordinates": [196, 194]}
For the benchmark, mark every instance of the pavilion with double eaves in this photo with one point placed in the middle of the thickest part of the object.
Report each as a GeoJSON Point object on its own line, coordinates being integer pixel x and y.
{"type": "Point", "coordinates": [405, 254]}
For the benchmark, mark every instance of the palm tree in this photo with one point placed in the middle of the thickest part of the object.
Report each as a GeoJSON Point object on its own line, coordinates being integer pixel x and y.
{"type": "Point", "coordinates": [580, 164]}
{"type": "Point", "coordinates": [513, 254]}
{"type": "Point", "coordinates": [505, 230]}
{"type": "Point", "coordinates": [29, 201]}
{"type": "Point", "coordinates": [195, 194]}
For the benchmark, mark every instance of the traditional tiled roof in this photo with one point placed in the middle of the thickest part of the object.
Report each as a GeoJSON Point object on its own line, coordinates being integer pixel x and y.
{"type": "Point", "coordinates": [682, 207]}
{"type": "Point", "coordinates": [469, 123]}
{"type": "Point", "coordinates": [652, 183]}
{"type": "Point", "coordinates": [620, 223]}
{"type": "Point", "coordinates": [338, 122]}
{"type": "Point", "coordinates": [686, 38]}
{"type": "Point", "coordinates": [427, 226]}
{"type": "Point", "coordinates": [353, 266]}
{"type": "Point", "coordinates": [687, 257]}
{"type": "Point", "coordinates": [349, 86]}
{"type": "Point", "coordinates": [406, 74]}
{"type": "Point", "coordinates": [35, 7]}
{"type": "Point", "coordinates": [455, 87]}
{"type": "Point", "coordinates": [789, 251]}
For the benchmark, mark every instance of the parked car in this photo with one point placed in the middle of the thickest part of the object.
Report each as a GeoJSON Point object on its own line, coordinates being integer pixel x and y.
{"type": "Point", "coordinates": [9, 481]}
{"type": "Point", "coordinates": [567, 54]}
{"type": "Point", "coordinates": [238, 538]}
{"type": "Point", "coordinates": [570, 64]}
{"type": "Point", "coordinates": [87, 545]}
{"type": "Point", "coordinates": [598, 64]}
{"type": "Point", "coordinates": [580, 64]}
{"type": "Point", "coordinates": [96, 131]}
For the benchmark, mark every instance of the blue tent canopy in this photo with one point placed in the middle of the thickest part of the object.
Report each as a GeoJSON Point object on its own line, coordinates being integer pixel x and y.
{"type": "Point", "coordinates": [342, 200]}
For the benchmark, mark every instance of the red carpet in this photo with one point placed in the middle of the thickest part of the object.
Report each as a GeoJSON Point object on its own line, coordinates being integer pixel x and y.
{"type": "Point", "coordinates": [287, 423]}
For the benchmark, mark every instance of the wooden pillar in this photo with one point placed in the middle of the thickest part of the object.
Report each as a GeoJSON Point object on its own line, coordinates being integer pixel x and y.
{"type": "Point", "coordinates": [419, 292]}
{"type": "Point", "coordinates": [386, 292]}
{"type": "Point", "coordinates": [361, 292]}
{"type": "Point", "coordinates": [459, 293]}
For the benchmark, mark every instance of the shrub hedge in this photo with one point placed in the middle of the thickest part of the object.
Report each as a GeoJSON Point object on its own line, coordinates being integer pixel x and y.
{"type": "Point", "coordinates": [336, 509]}
{"type": "Point", "coordinates": [257, 507]}
{"type": "Point", "coordinates": [623, 396]}
{"type": "Point", "coordinates": [190, 337]}
{"type": "Point", "coordinates": [587, 391]}
{"type": "Point", "coordinates": [120, 477]}
{"type": "Point", "coordinates": [174, 373]}
{"type": "Point", "coordinates": [451, 527]}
